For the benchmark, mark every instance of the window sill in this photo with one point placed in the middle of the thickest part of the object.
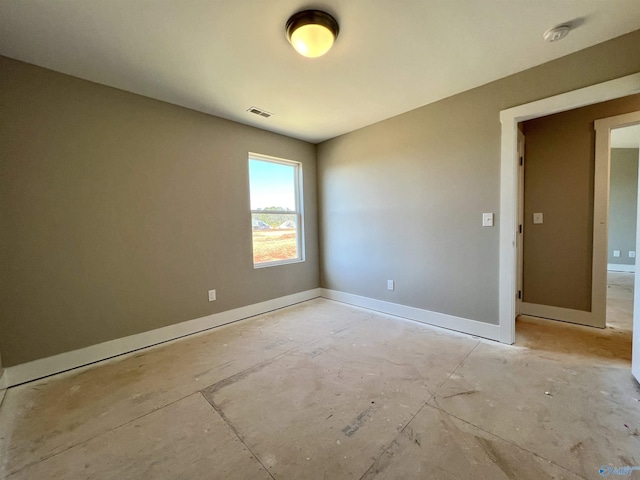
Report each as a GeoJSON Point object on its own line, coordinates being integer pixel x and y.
{"type": "Point", "coordinates": [277, 263]}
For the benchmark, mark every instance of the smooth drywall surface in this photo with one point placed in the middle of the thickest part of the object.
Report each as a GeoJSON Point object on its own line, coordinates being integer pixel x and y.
{"type": "Point", "coordinates": [403, 199]}
{"type": "Point", "coordinates": [623, 205]}
{"type": "Point", "coordinates": [559, 179]}
{"type": "Point", "coordinates": [119, 213]}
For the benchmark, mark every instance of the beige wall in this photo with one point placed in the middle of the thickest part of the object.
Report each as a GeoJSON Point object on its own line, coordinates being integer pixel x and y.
{"type": "Point", "coordinates": [119, 212]}
{"type": "Point", "coordinates": [559, 175]}
{"type": "Point", "coordinates": [623, 204]}
{"type": "Point", "coordinates": [403, 199]}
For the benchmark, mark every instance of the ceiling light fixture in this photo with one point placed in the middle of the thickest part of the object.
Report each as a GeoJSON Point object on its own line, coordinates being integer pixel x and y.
{"type": "Point", "coordinates": [312, 32]}
{"type": "Point", "coordinates": [556, 33]}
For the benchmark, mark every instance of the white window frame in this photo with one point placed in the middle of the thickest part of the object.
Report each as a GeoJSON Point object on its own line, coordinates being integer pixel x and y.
{"type": "Point", "coordinates": [299, 211]}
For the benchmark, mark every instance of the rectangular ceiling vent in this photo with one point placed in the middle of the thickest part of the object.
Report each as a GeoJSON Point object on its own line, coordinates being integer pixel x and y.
{"type": "Point", "coordinates": [259, 111]}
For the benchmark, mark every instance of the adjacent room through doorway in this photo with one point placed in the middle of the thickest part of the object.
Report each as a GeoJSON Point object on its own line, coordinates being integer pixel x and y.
{"type": "Point", "coordinates": [563, 193]}
{"type": "Point", "coordinates": [622, 228]}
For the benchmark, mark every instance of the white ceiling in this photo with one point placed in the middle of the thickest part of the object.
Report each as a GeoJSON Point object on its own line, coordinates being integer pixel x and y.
{"type": "Point", "coordinates": [626, 137]}
{"type": "Point", "coordinates": [223, 56]}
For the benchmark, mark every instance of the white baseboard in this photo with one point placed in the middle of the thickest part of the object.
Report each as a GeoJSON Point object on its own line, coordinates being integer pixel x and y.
{"type": "Point", "coordinates": [44, 367]}
{"type": "Point", "coordinates": [459, 324]}
{"type": "Point", "coordinates": [615, 267]}
{"type": "Point", "coordinates": [558, 313]}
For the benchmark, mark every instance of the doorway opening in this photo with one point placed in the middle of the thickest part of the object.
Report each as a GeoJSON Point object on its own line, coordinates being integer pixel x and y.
{"type": "Point", "coordinates": [624, 154]}
{"type": "Point", "coordinates": [509, 194]}
{"type": "Point", "coordinates": [616, 206]}
{"type": "Point", "coordinates": [624, 162]}
{"type": "Point", "coordinates": [564, 210]}
{"type": "Point", "coordinates": [509, 180]}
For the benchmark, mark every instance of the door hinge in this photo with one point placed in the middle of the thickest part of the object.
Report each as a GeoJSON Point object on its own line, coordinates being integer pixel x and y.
{"type": "Point", "coordinates": [521, 160]}
{"type": "Point", "coordinates": [519, 294]}
{"type": "Point", "coordinates": [520, 228]}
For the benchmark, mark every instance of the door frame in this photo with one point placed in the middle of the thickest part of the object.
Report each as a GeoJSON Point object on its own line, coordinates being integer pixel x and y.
{"type": "Point", "coordinates": [635, 356]}
{"type": "Point", "coordinates": [520, 223]}
{"type": "Point", "coordinates": [602, 187]}
{"type": "Point", "coordinates": [509, 163]}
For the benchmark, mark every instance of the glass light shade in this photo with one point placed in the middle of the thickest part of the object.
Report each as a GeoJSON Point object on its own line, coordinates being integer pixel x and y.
{"type": "Point", "coordinates": [312, 40]}
{"type": "Point", "coordinates": [312, 32]}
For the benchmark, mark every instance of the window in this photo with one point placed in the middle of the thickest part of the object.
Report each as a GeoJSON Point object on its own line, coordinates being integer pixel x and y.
{"type": "Point", "coordinates": [276, 213]}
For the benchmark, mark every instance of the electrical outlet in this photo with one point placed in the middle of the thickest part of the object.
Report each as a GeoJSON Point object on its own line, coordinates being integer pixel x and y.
{"type": "Point", "coordinates": [390, 285]}
{"type": "Point", "coordinates": [616, 253]}
{"type": "Point", "coordinates": [212, 295]}
{"type": "Point", "coordinates": [632, 254]}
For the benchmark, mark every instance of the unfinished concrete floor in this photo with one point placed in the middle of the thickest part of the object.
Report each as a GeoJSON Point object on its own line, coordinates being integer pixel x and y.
{"type": "Point", "coordinates": [325, 390]}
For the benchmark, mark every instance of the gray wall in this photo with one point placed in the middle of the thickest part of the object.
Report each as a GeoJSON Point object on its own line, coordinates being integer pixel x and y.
{"type": "Point", "coordinates": [623, 204]}
{"type": "Point", "coordinates": [119, 212]}
{"type": "Point", "coordinates": [403, 199]}
{"type": "Point", "coordinates": [559, 182]}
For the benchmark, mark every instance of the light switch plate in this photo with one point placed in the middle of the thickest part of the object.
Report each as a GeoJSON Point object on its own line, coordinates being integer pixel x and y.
{"type": "Point", "coordinates": [212, 295]}
{"type": "Point", "coordinates": [537, 218]}
{"type": "Point", "coordinates": [487, 219]}
{"type": "Point", "coordinates": [632, 254]}
{"type": "Point", "coordinates": [391, 285]}
{"type": "Point", "coordinates": [616, 253]}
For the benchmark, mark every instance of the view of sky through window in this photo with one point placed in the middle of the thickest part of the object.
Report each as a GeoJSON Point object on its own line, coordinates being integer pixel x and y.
{"type": "Point", "coordinates": [272, 185]}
